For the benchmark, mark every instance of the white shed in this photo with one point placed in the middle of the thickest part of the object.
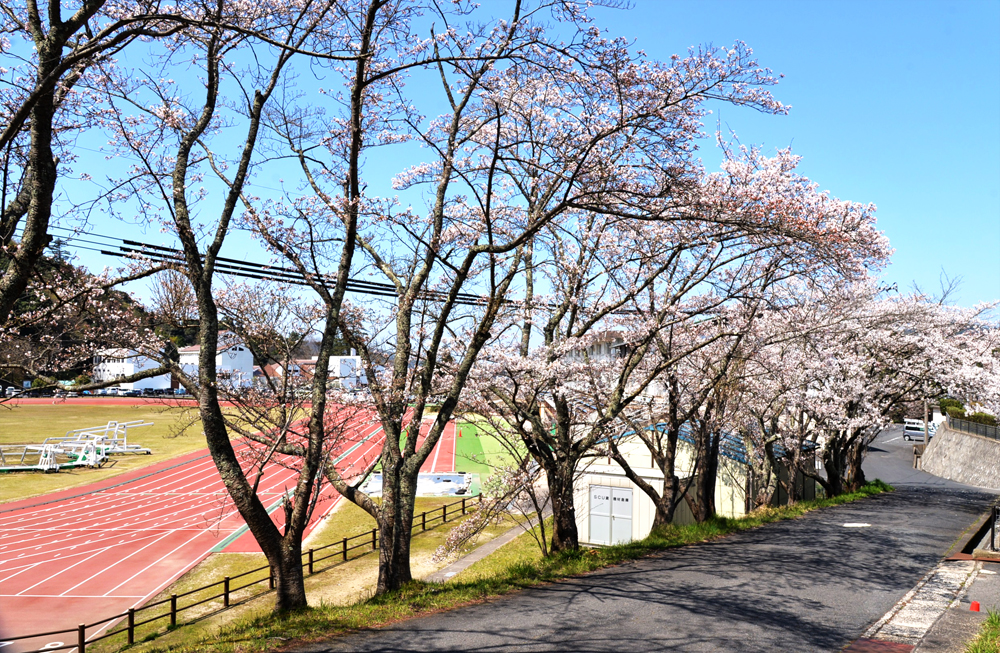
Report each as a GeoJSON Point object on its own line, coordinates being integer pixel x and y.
{"type": "Point", "coordinates": [610, 509]}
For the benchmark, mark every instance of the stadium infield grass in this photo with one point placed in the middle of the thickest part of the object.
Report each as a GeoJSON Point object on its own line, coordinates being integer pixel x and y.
{"type": "Point", "coordinates": [175, 431]}
{"type": "Point", "coordinates": [477, 451]}
{"type": "Point", "coordinates": [514, 567]}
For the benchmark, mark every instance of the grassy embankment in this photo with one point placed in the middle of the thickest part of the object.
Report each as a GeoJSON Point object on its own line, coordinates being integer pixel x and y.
{"type": "Point", "coordinates": [344, 584]}
{"type": "Point", "coordinates": [175, 432]}
{"type": "Point", "coordinates": [988, 640]}
{"type": "Point", "coordinates": [516, 566]}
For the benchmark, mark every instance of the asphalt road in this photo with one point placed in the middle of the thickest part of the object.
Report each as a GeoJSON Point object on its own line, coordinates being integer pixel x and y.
{"type": "Point", "coordinates": [810, 584]}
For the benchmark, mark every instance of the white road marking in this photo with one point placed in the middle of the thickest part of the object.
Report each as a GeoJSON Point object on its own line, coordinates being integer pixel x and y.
{"type": "Point", "coordinates": [857, 525]}
{"type": "Point", "coordinates": [910, 619]}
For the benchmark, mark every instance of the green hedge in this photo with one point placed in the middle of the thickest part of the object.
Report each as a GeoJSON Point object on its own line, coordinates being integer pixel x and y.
{"type": "Point", "coordinates": [981, 418]}
{"type": "Point", "coordinates": [947, 404]}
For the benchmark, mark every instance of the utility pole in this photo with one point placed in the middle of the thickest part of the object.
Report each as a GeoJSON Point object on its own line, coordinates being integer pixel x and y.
{"type": "Point", "coordinates": [927, 433]}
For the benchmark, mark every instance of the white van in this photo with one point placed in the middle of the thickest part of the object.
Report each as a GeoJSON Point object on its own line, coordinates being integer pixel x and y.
{"type": "Point", "coordinates": [913, 429]}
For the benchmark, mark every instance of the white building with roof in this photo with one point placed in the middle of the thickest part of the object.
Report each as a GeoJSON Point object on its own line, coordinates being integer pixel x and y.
{"type": "Point", "coordinates": [233, 361]}
{"type": "Point", "coordinates": [111, 364]}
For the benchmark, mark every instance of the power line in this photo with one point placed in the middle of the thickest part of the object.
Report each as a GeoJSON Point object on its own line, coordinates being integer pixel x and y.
{"type": "Point", "coordinates": [134, 250]}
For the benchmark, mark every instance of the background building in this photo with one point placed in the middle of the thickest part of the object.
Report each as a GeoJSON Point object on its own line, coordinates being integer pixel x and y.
{"type": "Point", "coordinates": [111, 364]}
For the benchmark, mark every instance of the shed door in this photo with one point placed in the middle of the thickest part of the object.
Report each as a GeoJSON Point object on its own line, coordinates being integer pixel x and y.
{"type": "Point", "coordinates": [621, 515]}
{"type": "Point", "coordinates": [600, 514]}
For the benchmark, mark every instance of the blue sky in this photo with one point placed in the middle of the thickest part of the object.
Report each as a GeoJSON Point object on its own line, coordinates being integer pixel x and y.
{"type": "Point", "coordinates": [896, 103]}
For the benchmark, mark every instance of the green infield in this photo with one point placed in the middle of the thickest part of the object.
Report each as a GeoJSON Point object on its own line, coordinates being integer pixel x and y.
{"type": "Point", "coordinates": [478, 451]}
{"type": "Point", "coordinates": [175, 431]}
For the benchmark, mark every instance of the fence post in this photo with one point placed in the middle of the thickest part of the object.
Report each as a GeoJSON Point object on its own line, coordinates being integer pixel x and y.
{"type": "Point", "coordinates": [81, 637]}
{"type": "Point", "coordinates": [423, 521]}
{"type": "Point", "coordinates": [374, 541]}
{"type": "Point", "coordinates": [173, 609]}
{"type": "Point", "coordinates": [463, 505]}
{"type": "Point", "coordinates": [131, 626]}
{"type": "Point", "coordinates": [310, 562]}
{"type": "Point", "coordinates": [444, 513]}
{"type": "Point", "coordinates": [993, 529]}
{"type": "Point", "coordinates": [480, 496]}
{"type": "Point", "coordinates": [225, 592]}
{"type": "Point", "coordinates": [270, 577]}
{"type": "Point", "coordinates": [345, 549]}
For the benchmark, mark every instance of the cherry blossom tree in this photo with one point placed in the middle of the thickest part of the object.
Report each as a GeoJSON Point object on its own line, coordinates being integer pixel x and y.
{"type": "Point", "coordinates": [832, 365]}
{"type": "Point", "coordinates": [52, 56]}
{"type": "Point", "coordinates": [535, 131]}
{"type": "Point", "coordinates": [683, 290]}
{"type": "Point", "coordinates": [244, 53]}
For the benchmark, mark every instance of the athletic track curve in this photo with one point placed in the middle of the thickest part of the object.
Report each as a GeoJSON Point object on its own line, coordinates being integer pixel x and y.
{"type": "Point", "coordinates": [83, 554]}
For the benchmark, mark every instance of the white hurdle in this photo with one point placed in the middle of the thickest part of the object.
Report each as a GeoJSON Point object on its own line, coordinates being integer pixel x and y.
{"type": "Point", "coordinates": [86, 447]}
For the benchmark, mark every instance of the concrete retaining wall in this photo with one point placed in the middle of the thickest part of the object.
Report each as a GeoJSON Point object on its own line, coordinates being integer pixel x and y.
{"type": "Point", "coordinates": [963, 457]}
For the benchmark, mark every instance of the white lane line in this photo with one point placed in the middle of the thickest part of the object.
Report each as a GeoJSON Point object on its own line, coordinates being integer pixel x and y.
{"type": "Point", "coordinates": [90, 501]}
{"type": "Point", "coordinates": [23, 569]}
{"type": "Point", "coordinates": [437, 452]}
{"type": "Point", "coordinates": [64, 570]}
{"type": "Point", "coordinates": [154, 563]}
{"type": "Point", "coordinates": [75, 596]}
{"type": "Point", "coordinates": [454, 450]}
{"type": "Point", "coordinates": [116, 563]}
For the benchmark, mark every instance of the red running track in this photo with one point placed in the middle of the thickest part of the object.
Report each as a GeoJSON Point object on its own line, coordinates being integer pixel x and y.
{"type": "Point", "coordinates": [442, 458]}
{"type": "Point", "coordinates": [80, 555]}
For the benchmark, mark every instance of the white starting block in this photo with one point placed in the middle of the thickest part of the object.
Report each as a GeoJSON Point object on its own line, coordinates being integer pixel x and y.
{"type": "Point", "coordinates": [86, 447]}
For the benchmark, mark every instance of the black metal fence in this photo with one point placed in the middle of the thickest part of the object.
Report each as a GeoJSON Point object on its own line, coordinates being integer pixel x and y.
{"type": "Point", "coordinates": [975, 428]}
{"type": "Point", "coordinates": [231, 591]}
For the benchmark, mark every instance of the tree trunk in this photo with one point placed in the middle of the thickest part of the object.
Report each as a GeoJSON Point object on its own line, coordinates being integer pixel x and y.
{"type": "Point", "coordinates": [564, 532]}
{"type": "Point", "coordinates": [394, 521]}
{"type": "Point", "coordinates": [666, 504]}
{"type": "Point", "coordinates": [42, 181]}
{"type": "Point", "coordinates": [706, 474]}
{"type": "Point", "coordinates": [855, 477]}
{"type": "Point", "coordinates": [289, 582]}
{"type": "Point", "coordinates": [834, 463]}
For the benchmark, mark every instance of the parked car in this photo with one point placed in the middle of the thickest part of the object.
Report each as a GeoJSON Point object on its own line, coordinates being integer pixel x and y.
{"type": "Point", "coordinates": [131, 393]}
{"type": "Point", "coordinates": [913, 429]}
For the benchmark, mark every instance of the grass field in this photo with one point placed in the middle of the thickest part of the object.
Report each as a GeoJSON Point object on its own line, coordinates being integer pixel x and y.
{"type": "Point", "coordinates": [173, 433]}
{"type": "Point", "coordinates": [478, 452]}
